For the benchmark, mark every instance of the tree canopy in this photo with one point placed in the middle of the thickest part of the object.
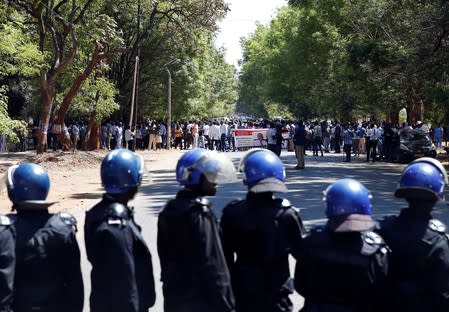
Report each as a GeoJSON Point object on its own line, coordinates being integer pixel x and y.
{"type": "Point", "coordinates": [79, 59]}
{"type": "Point", "coordinates": [350, 59]}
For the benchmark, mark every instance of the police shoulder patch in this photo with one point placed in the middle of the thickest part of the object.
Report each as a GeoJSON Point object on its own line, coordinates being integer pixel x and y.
{"type": "Point", "coordinates": [437, 226]}
{"type": "Point", "coordinates": [285, 203]}
{"type": "Point", "coordinates": [372, 238]}
{"type": "Point", "coordinates": [115, 221]}
{"type": "Point", "coordinates": [202, 201]}
{"type": "Point", "coordinates": [5, 220]}
{"type": "Point", "coordinates": [67, 218]}
{"type": "Point", "coordinates": [117, 210]}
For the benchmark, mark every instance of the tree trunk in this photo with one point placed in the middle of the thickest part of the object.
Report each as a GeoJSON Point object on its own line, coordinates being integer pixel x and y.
{"type": "Point", "coordinates": [47, 101]}
{"type": "Point", "coordinates": [95, 136]}
{"type": "Point", "coordinates": [394, 117]}
{"type": "Point", "coordinates": [89, 132]}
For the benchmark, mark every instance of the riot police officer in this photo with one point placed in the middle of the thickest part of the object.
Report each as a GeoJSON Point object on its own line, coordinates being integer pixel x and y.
{"type": "Point", "coordinates": [259, 233]}
{"type": "Point", "coordinates": [7, 258]}
{"type": "Point", "coordinates": [342, 266]}
{"type": "Point", "coordinates": [419, 263]}
{"type": "Point", "coordinates": [122, 271]}
{"type": "Point", "coordinates": [194, 273]}
{"type": "Point", "coordinates": [48, 272]}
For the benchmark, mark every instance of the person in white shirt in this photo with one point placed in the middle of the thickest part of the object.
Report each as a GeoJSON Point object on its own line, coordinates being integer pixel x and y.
{"type": "Point", "coordinates": [271, 138]}
{"type": "Point", "coordinates": [223, 132]}
{"type": "Point", "coordinates": [214, 134]}
{"type": "Point", "coordinates": [118, 135]}
{"type": "Point", "coordinates": [206, 134]}
{"type": "Point", "coordinates": [373, 133]}
{"type": "Point", "coordinates": [194, 130]}
{"type": "Point", "coordinates": [129, 138]}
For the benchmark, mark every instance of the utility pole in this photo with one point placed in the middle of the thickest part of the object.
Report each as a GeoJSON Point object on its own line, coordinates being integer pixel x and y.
{"type": "Point", "coordinates": [135, 93]}
{"type": "Point", "coordinates": [172, 62]}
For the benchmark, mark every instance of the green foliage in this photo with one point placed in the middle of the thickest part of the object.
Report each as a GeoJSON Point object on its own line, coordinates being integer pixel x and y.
{"type": "Point", "coordinates": [96, 95]}
{"type": "Point", "coordinates": [8, 126]}
{"type": "Point", "coordinates": [349, 59]}
{"type": "Point", "coordinates": [19, 56]}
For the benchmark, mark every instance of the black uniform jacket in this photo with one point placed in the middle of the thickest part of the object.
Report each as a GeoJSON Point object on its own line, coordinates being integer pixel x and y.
{"type": "Point", "coordinates": [122, 270]}
{"type": "Point", "coordinates": [48, 269]}
{"type": "Point", "coordinates": [419, 262]}
{"type": "Point", "coordinates": [259, 233]}
{"type": "Point", "coordinates": [7, 262]}
{"type": "Point", "coordinates": [342, 271]}
{"type": "Point", "coordinates": [194, 273]}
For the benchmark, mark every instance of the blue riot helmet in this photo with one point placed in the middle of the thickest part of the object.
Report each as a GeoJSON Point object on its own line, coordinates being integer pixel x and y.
{"type": "Point", "coordinates": [263, 171]}
{"type": "Point", "coordinates": [184, 172]}
{"type": "Point", "coordinates": [28, 185]}
{"type": "Point", "coordinates": [423, 179]}
{"type": "Point", "coordinates": [121, 170]}
{"type": "Point", "coordinates": [347, 196]}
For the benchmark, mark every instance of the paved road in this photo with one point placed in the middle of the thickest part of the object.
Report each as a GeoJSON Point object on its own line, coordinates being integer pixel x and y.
{"type": "Point", "coordinates": [305, 192]}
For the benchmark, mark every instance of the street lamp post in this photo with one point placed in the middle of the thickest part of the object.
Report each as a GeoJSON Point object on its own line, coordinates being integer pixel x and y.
{"type": "Point", "coordinates": [172, 62]}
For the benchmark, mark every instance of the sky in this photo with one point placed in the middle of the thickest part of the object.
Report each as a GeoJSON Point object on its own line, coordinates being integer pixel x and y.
{"type": "Point", "coordinates": [241, 21]}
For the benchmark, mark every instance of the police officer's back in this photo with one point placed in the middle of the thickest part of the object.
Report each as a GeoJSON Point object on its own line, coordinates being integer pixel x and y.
{"type": "Point", "coordinates": [7, 258]}
{"type": "Point", "coordinates": [342, 266]}
{"type": "Point", "coordinates": [194, 273]}
{"type": "Point", "coordinates": [419, 263]}
{"type": "Point", "coordinates": [122, 272]}
{"type": "Point", "coordinates": [259, 233]}
{"type": "Point", "coordinates": [48, 272]}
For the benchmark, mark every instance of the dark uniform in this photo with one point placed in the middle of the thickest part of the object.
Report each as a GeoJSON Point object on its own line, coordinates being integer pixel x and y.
{"type": "Point", "coordinates": [262, 231]}
{"type": "Point", "coordinates": [48, 272]}
{"type": "Point", "coordinates": [7, 263]}
{"type": "Point", "coordinates": [419, 262]}
{"type": "Point", "coordinates": [342, 271]}
{"type": "Point", "coordinates": [122, 272]}
{"type": "Point", "coordinates": [194, 273]}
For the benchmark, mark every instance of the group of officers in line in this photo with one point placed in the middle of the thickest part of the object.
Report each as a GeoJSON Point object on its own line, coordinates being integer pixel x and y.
{"type": "Point", "coordinates": [352, 263]}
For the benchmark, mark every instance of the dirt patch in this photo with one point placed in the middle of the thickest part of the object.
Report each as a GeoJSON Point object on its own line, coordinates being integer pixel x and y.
{"type": "Point", "coordinates": [75, 176]}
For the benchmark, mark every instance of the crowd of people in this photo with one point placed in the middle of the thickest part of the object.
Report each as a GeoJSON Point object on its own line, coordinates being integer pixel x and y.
{"type": "Point", "coordinates": [239, 263]}
{"type": "Point", "coordinates": [378, 140]}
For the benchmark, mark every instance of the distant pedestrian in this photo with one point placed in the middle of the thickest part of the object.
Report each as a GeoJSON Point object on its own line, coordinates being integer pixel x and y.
{"type": "Point", "coordinates": [300, 141]}
{"type": "Point", "coordinates": [347, 142]}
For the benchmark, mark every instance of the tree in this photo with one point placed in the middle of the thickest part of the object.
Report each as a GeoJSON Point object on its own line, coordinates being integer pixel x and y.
{"type": "Point", "coordinates": [18, 57]}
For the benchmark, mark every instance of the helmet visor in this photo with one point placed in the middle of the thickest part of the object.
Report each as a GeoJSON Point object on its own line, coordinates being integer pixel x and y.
{"type": "Point", "coordinates": [3, 181]}
{"type": "Point", "coordinates": [145, 173]}
{"type": "Point", "coordinates": [217, 168]}
{"type": "Point", "coordinates": [6, 180]}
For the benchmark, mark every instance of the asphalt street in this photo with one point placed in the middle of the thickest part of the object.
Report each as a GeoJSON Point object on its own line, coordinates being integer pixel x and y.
{"type": "Point", "coordinates": [305, 192]}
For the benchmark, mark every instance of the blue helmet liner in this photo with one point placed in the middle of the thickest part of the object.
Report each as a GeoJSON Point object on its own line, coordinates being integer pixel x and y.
{"type": "Point", "coordinates": [121, 170]}
{"type": "Point", "coordinates": [347, 196]}
{"type": "Point", "coordinates": [261, 164]}
{"type": "Point", "coordinates": [422, 180]}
